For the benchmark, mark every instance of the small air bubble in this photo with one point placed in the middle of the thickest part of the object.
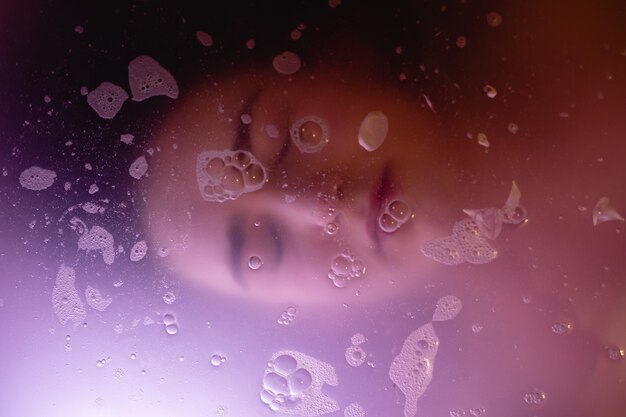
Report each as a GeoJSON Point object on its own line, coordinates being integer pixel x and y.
{"type": "Point", "coordinates": [255, 262]}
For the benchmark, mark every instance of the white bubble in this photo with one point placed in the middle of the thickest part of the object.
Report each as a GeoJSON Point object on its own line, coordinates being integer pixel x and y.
{"type": "Point", "coordinates": [310, 134]}
{"type": "Point", "coordinates": [107, 99]}
{"type": "Point", "coordinates": [169, 319]}
{"type": "Point", "coordinates": [255, 262]}
{"type": "Point", "coordinates": [147, 78]}
{"type": "Point", "coordinates": [217, 360]}
{"type": "Point", "coordinates": [357, 339]}
{"type": "Point", "coordinates": [138, 168]}
{"type": "Point", "coordinates": [373, 130]}
{"type": "Point", "coordinates": [138, 251]}
{"type": "Point", "coordinates": [36, 178]}
{"type": "Point", "coordinates": [287, 63]}
{"type": "Point", "coordinates": [393, 215]}
{"type": "Point", "coordinates": [171, 329]}
{"type": "Point", "coordinates": [561, 327]}
{"type": "Point", "coordinates": [513, 128]}
{"type": "Point", "coordinates": [604, 212]}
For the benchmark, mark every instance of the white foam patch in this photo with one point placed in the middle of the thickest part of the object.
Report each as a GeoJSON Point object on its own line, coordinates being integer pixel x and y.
{"type": "Point", "coordinates": [95, 300]}
{"type": "Point", "coordinates": [138, 168]}
{"type": "Point", "coordinates": [147, 78]}
{"type": "Point", "coordinates": [107, 99]}
{"type": "Point", "coordinates": [98, 239]}
{"type": "Point", "coordinates": [412, 370]}
{"type": "Point", "coordinates": [287, 63]}
{"type": "Point", "coordinates": [66, 302]}
{"type": "Point", "coordinates": [354, 410]}
{"type": "Point", "coordinates": [447, 308]}
{"type": "Point", "coordinates": [36, 178]}
{"type": "Point", "coordinates": [138, 251]}
{"type": "Point", "coordinates": [466, 244]}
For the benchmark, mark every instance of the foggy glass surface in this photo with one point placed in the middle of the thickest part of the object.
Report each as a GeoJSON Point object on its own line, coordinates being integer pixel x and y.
{"type": "Point", "coordinates": [312, 208]}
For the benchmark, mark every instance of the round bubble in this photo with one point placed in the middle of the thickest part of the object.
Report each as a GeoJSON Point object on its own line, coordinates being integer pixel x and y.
{"type": "Point", "coordinates": [310, 134]}
{"type": "Point", "coordinates": [287, 63]}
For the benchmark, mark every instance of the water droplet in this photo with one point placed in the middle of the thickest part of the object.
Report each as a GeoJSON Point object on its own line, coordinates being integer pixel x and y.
{"type": "Point", "coordinates": [287, 63]}
{"type": "Point", "coordinates": [255, 262]}
{"type": "Point", "coordinates": [490, 91]}
{"type": "Point", "coordinates": [133, 356]}
{"type": "Point", "coordinates": [310, 134]}
{"type": "Point", "coordinates": [604, 212]}
{"type": "Point", "coordinates": [217, 360]}
{"type": "Point", "coordinates": [171, 329]}
{"type": "Point", "coordinates": [246, 119]}
{"type": "Point", "coordinates": [483, 140]}
{"type": "Point", "coordinates": [332, 228]}
{"type": "Point", "coordinates": [373, 130]}
{"type": "Point", "coordinates": [494, 19]}
{"type": "Point", "coordinates": [169, 319]}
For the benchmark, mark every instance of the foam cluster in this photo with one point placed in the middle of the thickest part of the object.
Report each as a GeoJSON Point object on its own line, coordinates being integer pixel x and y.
{"type": "Point", "coordinates": [227, 175]}
{"type": "Point", "coordinates": [147, 78]}
{"type": "Point", "coordinates": [107, 99]}
{"type": "Point", "coordinates": [344, 268]}
{"type": "Point", "coordinates": [36, 178]}
{"type": "Point", "coordinates": [292, 384]}
{"type": "Point", "coordinates": [66, 302]}
{"type": "Point", "coordinates": [96, 300]}
{"type": "Point", "coordinates": [98, 239]}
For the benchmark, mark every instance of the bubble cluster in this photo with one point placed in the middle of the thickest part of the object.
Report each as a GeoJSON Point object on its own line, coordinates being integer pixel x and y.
{"type": "Point", "coordinates": [345, 267]}
{"type": "Point", "coordinates": [604, 212]}
{"type": "Point", "coordinates": [217, 359]}
{"type": "Point", "coordinates": [534, 397]}
{"type": "Point", "coordinates": [98, 239]}
{"type": "Point", "coordinates": [95, 300]}
{"type": "Point", "coordinates": [354, 410]}
{"type": "Point", "coordinates": [614, 353]}
{"type": "Point", "coordinates": [66, 302]}
{"type": "Point", "coordinates": [373, 130]}
{"type": "Point", "coordinates": [310, 134]}
{"type": "Point", "coordinates": [412, 370]}
{"type": "Point", "coordinates": [226, 175]}
{"type": "Point", "coordinates": [358, 339]}
{"type": "Point", "coordinates": [287, 63]}
{"type": "Point", "coordinates": [561, 327]}
{"type": "Point", "coordinates": [466, 244]}
{"type": "Point", "coordinates": [138, 168]}
{"type": "Point", "coordinates": [393, 215]}
{"type": "Point", "coordinates": [147, 78]}
{"type": "Point", "coordinates": [171, 324]}
{"type": "Point", "coordinates": [107, 99]}
{"type": "Point", "coordinates": [287, 316]}
{"type": "Point", "coordinates": [447, 308]}
{"type": "Point", "coordinates": [292, 384]}
{"type": "Point", "coordinates": [138, 251]}
{"type": "Point", "coordinates": [468, 240]}
{"type": "Point", "coordinates": [36, 178]}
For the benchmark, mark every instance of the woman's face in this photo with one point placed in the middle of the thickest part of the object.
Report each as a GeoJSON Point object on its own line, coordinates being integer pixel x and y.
{"type": "Point", "coordinates": [313, 206]}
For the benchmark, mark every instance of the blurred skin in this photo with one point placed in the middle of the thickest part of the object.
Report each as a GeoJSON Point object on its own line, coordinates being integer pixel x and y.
{"type": "Point", "coordinates": [343, 184]}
